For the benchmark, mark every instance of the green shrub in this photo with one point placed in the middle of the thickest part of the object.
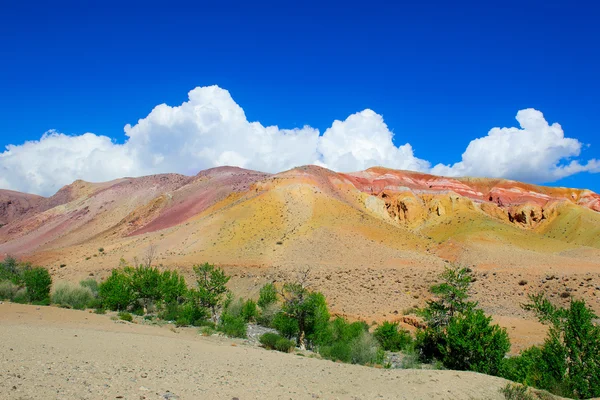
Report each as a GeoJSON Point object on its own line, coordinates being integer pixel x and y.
{"type": "Point", "coordinates": [145, 283]}
{"type": "Point", "coordinates": [191, 315]}
{"type": "Point", "coordinates": [206, 331]}
{"type": "Point", "coordinates": [210, 287]}
{"type": "Point", "coordinates": [524, 367]}
{"type": "Point", "coordinates": [11, 271]}
{"type": "Point", "coordinates": [249, 311]}
{"type": "Point", "coordinates": [337, 351]}
{"type": "Point", "coordinates": [516, 392]}
{"type": "Point", "coordinates": [410, 359]}
{"type": "Point", "coordinates": [21, 296]}
{"type": "Point", "coordinates": [473, 344]}
{"type": "Point", "coordinates": [37, 281]}
{"type": "Point", "coordinates": [391, 338]}
{"type": "Point", "coordinates": [8, 290]}
{"type": "Point", "coordinates": [232, 326]}
{"type": "Point", "coordinates": [172, 287]}
{"type": "Point", "coordinates": [428, 343]}
{"type": "Point", "coordinates": [364, 349]}
{"type": "Point", "coordinates": [66, 294]}
{"type": "Point", "coordinates": [568, 363]}
{"type": "Point", "coordinates": [91, 284]}
{"type": "Point", "coordinates": [267, 296]}
{"type": "Point", "coordinates": [125, 316]}
{"type": "Point", "coordinates": [186, 314]}
{"type": "Point", "coordinates": [116, 292]}
{"type": "Point", "coordinates": [284, 345]}
{"type": "Point", "coordinates": [267, 314]}
{"type": "Point", "coordinates": [285, 325]}
{"type": "Point", "coordinates": [269, 340]}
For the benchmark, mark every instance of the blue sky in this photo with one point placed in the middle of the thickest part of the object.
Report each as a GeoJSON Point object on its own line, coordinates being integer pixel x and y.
{"type": "Point", "coordinates": [440, 74]}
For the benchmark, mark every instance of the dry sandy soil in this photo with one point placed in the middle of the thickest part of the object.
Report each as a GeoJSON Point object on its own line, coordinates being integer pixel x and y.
{"type": "Point", "coordinates": [52, 353]}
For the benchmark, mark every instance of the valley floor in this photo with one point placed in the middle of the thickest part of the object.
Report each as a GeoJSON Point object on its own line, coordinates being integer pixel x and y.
{"type": "Point", "coordinates": [53, 353]}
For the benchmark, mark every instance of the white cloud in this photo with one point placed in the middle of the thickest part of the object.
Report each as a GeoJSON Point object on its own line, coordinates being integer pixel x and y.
{"type": "Point", "coordinates": [535, 152]}
{"type": "Point", "coordinates": [363, 140]}
{"type": "Point", "coordinates": [210, 130]}
{"type": "Point", "coordinates": [44, 166]}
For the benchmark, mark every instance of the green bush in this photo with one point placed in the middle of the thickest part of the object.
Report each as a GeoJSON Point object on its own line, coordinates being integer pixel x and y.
{"type": "Point", "coordinates": [21, 296]}
{"type": "Point", "coordinates": [267, 314]}
{"type": "Point", "coordinates": [364, 349]}
{"type": "Point", "coordinates": [428, 343]}
{"type": "Point", "coordinates": [284, 345]}
{"type": "Point", "coordinates": [66, 294]}
{"type": "Point", "coordinates": [232, 326]}
{"type": "Point", "coordinates": [11, 271]}
{"type": "Point", "coordinates": [269, 340]}
{"type": "Point", "coordinates": [125, 316]}
{"type": "Point", "coordinates": [337, 351]}
{"type": "Point", "coordinates": [524, 367]}
{"type": "Point", "coordinates": [172, 287]}
{"type": "Point", "coordinates": [210, 287]}
{"type": "Point", "coordinates": [516, 392]}
{"type": "Point", "coordinates": [37, 281]}
{"type": "Point", "coordinates": [391, 337]}
{"type": "Point", "coordinates": [206, 331]}
{"type": "Point", "coordinates": [116, 292]}
{"type": "Point", "coordinates": [267, 296]}
{"type": "Point", "coordinates": [145, 283]}
{"type": "Point", "coordinates": [285, 325]}
{"type": "Point", "coordinates": [474, 344]}
{"type": "Point", "coordinates": [8, 290]}
{"type": "Point", "coordinates": [91, 284]}
{"type": "Point", "coordinates": [189, 314]}
{"type": "Point", "coordinates": [186, 314]}
{"type": "Point", "coordinates": [249, 311]}
{"type": "Point", "coordinates": [568, 363]}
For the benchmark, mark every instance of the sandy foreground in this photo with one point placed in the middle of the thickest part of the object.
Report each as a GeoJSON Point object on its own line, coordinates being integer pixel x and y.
{"type": "Point", "coordinates": [53, 353]}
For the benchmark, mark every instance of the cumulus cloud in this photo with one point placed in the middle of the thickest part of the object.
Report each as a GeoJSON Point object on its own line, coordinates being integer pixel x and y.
{"type": "Point", "coordinates": [535, 152]}
{"type": "Point", "coordinates": [210, 129]}
{"type": "Point", "coordinates": [363, 140]}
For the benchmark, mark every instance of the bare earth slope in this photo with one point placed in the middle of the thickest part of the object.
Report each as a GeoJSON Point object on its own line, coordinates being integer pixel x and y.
{"type": "Point", "coordinates": [51, 353]}
{"type": "Point", "coordinates": [375, 240]}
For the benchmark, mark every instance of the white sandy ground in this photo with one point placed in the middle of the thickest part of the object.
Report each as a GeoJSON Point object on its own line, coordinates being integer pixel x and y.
{"type": "Point", "coordinates": [53, 353]}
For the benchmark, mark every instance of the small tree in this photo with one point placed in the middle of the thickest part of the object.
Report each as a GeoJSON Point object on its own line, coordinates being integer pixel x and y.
{"type": "Point", "coordinates": [451, 299]}
{"type": "Point", "coordinates": [571, 352]}
{"type": "Point", "coordinates": [149, 256]}
{"type": "Point", "coordinates": [391, 337]}
{"type": "Point", "coordinates": [172, 287]}
{"type": "Point", "coordinates": [212, 287]}
{"type": "Point", "coordinates": [452, 295]}
{"type": "Point", "coordinates": [145, 284]}
{"type": "Point", "coordinates": [9, 270]}
{"type": "Point", "coordinates": [303, 311]}
{"type": "Point", "coordinates": [115, 292]}
{"type": "Point", "coordinates": [37, 281]}
{"type": "Point", "coordinates": [295, 304]}
{"type": "Point", "coordinates": [472, 343]}
{"type": "Point", "coordinates": [267, 296]}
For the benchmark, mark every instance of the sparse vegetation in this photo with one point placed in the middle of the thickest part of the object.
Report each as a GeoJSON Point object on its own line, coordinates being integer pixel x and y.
{"type": "Point", "coordinates": [125, 316]}
{"type": "Point", "coordinates": [72, 296]}
{"type": "Point", "coordinates": [516, 392]}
